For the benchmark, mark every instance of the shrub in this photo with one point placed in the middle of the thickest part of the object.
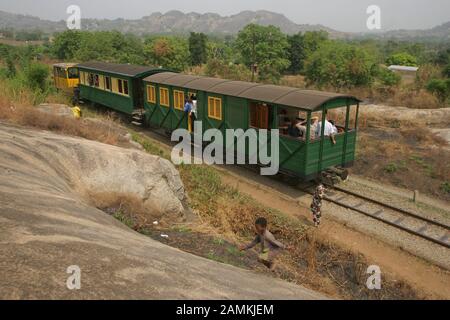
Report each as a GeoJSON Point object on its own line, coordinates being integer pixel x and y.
{"type": "Point", "coordinates": [402, 59]}
{"type": "Point", "coordinates": [37, 75]}
{"type": "Point", "coordinates": [440, 88]}
{"type": "Point", "coordinates": [388, 78]}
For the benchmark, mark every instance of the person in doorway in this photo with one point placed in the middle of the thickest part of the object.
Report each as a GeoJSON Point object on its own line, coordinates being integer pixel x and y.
{"type": "Point", "coordinates": [316, 205]}
{"type": "Point", "coordinates": [269, 246]}
{"type": "Point", "coordinates": [188, 109]}
{"type": "Point", "coordinates": [193, 110]}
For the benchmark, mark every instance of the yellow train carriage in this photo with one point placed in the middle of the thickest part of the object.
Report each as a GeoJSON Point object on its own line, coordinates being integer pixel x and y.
{"type": "Point", "coordinates": [66, 76]}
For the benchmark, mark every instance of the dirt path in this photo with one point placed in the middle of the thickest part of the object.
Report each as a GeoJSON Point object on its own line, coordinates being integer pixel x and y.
{"type": "Point", "coordinates": [431, 280]}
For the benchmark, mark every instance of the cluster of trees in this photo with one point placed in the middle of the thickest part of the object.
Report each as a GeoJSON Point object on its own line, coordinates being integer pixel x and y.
{"type": "Point", "coordinates": [34, 35]}
{"type": "Point", "coordinates": [262, 53]}
{"type": "Point", "coordinates": [440, 84]}
{"type": "Point", "coordinates": [21, 71]}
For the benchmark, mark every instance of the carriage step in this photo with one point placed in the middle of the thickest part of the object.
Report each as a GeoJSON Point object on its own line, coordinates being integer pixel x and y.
{"type": "Point", "coordinates": [136, 123]}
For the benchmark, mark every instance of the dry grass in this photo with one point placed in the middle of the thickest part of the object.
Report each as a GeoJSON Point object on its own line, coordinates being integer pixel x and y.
{"type": "Point", "coordinates": [32, 117]}
{"type": "Point", "coordinates": [406, 95]}
{"type": "Point", "coordinates": [313, 262]}
{"type": "Point", "coordinates": [410, 157]}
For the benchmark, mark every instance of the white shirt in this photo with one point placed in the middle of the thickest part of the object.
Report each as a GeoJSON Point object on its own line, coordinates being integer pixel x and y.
{"type": "Point", "coordinates": [194, 106]}
{"type": "Point", "coordinates": [329, 129]}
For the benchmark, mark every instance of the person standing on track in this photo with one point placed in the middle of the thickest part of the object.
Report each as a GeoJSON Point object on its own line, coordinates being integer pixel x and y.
{"type": "Point", "coordinates": [316, 205]}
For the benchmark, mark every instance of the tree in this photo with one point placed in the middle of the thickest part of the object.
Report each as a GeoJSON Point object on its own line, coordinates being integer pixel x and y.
{"type": "Point", "coordinates": [36, 75]}
{"type": "Point", "coordinates": [265, 48]}
{"type": "Point", "coordinates": [296, 53]}
{"type": "Point", "coordinates": [446, 71]}
{"type": "Point", "coordinates": [66, 44]}
{"type": "Point", "coordinates": [388, 77]}
{"type": "Point", "coordinates": [440, 88]}
{"type": "Point", "coordinates": [197, 48]}
{"type": "Point", "coordinates": [402, 59]}
{"type": "Point", "coordinates": [167, 52]}
{"type": "Point", "coordinates": [340, 65]}
{"type": "Point", "coordinates": [303, 45]}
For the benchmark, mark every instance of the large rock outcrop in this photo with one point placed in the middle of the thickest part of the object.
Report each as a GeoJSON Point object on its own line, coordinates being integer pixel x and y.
{"type": "Point", "coordinates": [48, 224]}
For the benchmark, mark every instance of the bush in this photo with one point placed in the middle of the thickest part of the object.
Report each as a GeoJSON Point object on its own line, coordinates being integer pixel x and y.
{"type": "Point", "coordinates": [388, 78]}
{"type": "Point", "coordinates": [446, 71]}
{"type": "Point", "coordinates": [402, 59]}
{"type": "Point", "coordinates": [37, 75]}
{"type": "Point", "coordinates": [440, 88]}
{"type": "Point", "coordinates": [340, 65]}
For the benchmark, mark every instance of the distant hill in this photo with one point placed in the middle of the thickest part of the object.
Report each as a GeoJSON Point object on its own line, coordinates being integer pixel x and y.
{"type": "Point", "coordinates": [177, 22]}
{"type": "Point", "coordinates": [172, 22]}
{"type": "Point", "coordinates": [441, 32]}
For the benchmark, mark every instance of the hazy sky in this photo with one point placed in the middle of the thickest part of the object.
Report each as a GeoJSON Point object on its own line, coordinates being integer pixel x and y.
{"type": "Point", "coordinates": [343, 15]}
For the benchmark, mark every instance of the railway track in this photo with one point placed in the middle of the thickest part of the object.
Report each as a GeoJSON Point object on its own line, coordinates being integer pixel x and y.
{"type": "Point", "coordinates": [410, 222]}
{"type": "Point", "coordinates": [399, 218]}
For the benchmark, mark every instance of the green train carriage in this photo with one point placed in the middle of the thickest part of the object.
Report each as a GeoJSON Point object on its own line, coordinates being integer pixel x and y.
{"type": "Point", "coordinates": [116, 86]}
{"type": "Point", "coordinates": [159, 97]}
{"type": "Point", "coordinates": [225, 104]}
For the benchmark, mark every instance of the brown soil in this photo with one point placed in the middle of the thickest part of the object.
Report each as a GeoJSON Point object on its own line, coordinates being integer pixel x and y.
{"type": "Point", "coordinates": [425, 278]}
{"type": "Point", "coordinates": [412, 158]}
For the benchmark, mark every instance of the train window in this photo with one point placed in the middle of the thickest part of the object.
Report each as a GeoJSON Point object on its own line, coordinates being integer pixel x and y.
{"type": "Point", "coordinates": [96, 80]}
{"type": "Point", "coordinates": [125, 87]}
{"type": "Point", "coordinates": [178, 100]}
{"type": "Point", "coordinates": [61, 73]}
{"type": "Point", "coordinates": [101, 82]}
{"type": "Point", "coordinates": [122, 86]}
{"type": "Point", "coordinates": [215, 108]}
{"type": "Point", "coordinates": [82, 77]}
{"type": "Point", "coordinates": [108, 83]}
{"type": "Point", "coordinates": [164, 97]}
{"type": "Point", "coordinates": [192, 94]}
{"type": "Point", "coordinates": [151, 94]}
{"type": "Point", "coordinates": [73, 73]}
{"type": "Point", "coordinates": [91, 79]}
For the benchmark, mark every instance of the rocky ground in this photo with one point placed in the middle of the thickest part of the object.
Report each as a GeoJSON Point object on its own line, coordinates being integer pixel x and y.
{"type": "Point", "coordinates": [50, 186]}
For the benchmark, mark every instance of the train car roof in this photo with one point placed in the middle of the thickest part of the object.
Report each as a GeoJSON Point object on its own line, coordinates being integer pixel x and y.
{"type": "Point", "coordinates": [282, 95]}
{"type": "Point", "coordinates": [64, 65]}
{"type": "Point", "coordinates": [128, 70]}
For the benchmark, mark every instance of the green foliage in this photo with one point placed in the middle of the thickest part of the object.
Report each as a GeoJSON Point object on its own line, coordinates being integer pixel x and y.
{"type": "Point", "coordinates": [446, 71]}
{"type": "Point", "coordinates": [29, 35]}
{"type": "Point", "coordinates": [402, 59]}
{"type": "Point", "coordinates": [443, 57]}
{"type": "Point", "coordinates": [302, 46]}
{"type": "Point", "coordinates": [66, 44]}
{"type": "Point", "coordinates": [340, 65]}
{"type": "Point", "coordinates": [197, 48]}
{"type": "Point", "coordinates": [232, 71]}
{"type": "Point", "coordinates": [168, 52]}
{"type": "Point", "coordinates": [388, 77]}
{"type": "Point", "coordinates": [445, 187]}
{"type": "Point", "coordinates": [265, 47]}
{"type": "Point", "coordinates": [37, 76]}
{"type": "Point", "coordinates": [440, 88]}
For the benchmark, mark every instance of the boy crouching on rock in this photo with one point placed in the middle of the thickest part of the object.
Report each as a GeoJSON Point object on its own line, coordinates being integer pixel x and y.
{"type": "Point", "coordinates": [270, 247]}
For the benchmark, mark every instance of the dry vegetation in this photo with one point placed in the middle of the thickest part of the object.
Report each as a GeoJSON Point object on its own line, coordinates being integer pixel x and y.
{"type": "Point", "coordinates": [16, 107]}
{"type": "Point", "coordinates": [226, 214]}
{"type": "Point", "coordinates": [407, 95]}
